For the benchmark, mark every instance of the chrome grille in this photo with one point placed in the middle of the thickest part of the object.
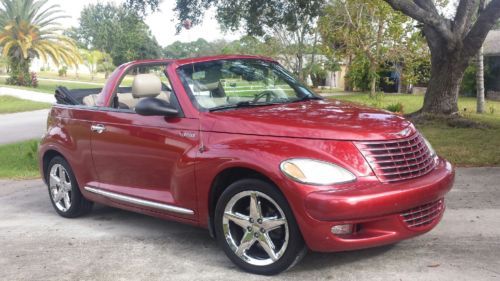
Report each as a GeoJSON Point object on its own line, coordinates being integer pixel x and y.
{"type": "Point", "coordinates": [423, 215]}
{"type": "Point", "coordinates": [396, 160]}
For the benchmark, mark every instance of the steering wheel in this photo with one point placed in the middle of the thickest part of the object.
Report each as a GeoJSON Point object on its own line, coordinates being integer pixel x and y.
{"type": "Point", "coordinates": [268, 94]}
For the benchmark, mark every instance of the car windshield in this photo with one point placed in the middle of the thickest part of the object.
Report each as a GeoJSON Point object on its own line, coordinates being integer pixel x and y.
{"type": "Point", "coordinates": [229, 84]}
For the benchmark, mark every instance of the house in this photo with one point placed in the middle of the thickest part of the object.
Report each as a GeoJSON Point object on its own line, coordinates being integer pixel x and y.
{"type": "Point", "coordinates": [492, 62]}
{"type": "Point", "coordinates": [332, 79]}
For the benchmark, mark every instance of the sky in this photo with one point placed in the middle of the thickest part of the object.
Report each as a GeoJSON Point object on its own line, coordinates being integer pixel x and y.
{"type": "Point", "coordinates": [162, 23]}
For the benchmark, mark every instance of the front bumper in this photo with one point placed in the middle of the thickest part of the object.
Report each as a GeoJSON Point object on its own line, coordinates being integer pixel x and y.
{"type": "Point", "coordinates": [374, 208]}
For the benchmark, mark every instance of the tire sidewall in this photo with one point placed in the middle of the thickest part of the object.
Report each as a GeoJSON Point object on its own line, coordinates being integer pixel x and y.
{"type": "Point", "coordinates": [295, 248]}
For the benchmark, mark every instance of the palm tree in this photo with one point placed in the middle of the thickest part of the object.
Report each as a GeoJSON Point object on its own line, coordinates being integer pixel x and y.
{"type": "Point", "coordinates": [29, 29]}
{"type": "Point", "coordinates": [91, 60]}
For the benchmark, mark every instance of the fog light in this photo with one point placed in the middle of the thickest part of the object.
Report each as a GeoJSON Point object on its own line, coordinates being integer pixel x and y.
{"type": "Point", "coordinates": [342, 229]}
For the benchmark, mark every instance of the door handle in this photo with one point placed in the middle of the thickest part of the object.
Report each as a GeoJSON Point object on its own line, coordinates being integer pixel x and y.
{"type": "Point", "coordinates": [97, 128]}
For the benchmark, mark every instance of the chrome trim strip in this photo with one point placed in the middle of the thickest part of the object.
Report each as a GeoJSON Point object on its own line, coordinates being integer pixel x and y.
{"type": "Point", "coordinates": [141, 202]}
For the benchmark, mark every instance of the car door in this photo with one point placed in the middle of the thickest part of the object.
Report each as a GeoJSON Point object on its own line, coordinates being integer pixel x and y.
{"type": "Point", "coordinates": [148, 159]}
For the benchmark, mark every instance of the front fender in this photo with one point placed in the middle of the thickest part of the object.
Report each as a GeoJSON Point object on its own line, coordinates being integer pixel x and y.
{"type": "Point", "coordinates": [264, 155]}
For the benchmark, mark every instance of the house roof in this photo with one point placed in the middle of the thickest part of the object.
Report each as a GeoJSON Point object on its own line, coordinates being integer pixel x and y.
{"type": "Point", "coordinates": [492, 44]}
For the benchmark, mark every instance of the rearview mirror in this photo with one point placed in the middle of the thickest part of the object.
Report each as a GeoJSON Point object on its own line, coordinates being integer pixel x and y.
{"type": "Point", "coordinates": [155, 107]}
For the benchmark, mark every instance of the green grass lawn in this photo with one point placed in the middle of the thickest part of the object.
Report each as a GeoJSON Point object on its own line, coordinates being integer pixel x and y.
{"type": "Point", "coordinates": [462, 146]}
{"type": "Point", "coordinates": [19, 160]}
{"type": "Point", "coordinates": [49, 87]}
{"type": "Point", "coordinates": [10, 104]}
{"type": "Point", "coordinates": [98, 78]}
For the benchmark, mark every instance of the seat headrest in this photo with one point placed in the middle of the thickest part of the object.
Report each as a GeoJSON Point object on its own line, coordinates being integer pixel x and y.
{"type": "Point", "coordinates": [146, 86]}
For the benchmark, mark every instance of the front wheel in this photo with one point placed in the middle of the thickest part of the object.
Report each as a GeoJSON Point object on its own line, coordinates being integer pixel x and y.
{"type": "Point", "coordinates": [256, 228]}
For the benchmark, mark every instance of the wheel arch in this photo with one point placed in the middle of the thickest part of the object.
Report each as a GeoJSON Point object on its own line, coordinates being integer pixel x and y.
{"type": "Point", "coordinates": [225, 178]}
{"type": "Point", "coordinates": [47, 156]}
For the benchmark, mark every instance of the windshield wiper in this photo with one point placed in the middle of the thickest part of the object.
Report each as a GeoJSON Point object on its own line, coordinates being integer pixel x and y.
{"type": "Point", "coordinates": [240, 105]}
{"type": "Point", "coordinates": [306, 98]}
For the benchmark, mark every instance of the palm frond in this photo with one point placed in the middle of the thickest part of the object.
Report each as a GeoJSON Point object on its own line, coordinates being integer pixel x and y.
{"type": "Point", "coordinates": [32, 28]}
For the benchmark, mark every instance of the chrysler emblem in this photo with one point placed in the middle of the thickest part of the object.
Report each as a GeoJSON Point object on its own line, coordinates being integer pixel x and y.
{"type": "Point", "coordinates": [404, 133]}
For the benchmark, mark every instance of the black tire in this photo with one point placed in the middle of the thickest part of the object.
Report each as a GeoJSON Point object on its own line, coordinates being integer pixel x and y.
{"type": "Point", "coordinates": [79, 205]}
{"type": "Point", "coordinates": [295, 249]}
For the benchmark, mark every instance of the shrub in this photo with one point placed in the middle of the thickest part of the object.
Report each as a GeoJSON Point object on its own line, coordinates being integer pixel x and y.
{"type": "Point", "coordinates": [63, 71]}
{"type": "Point", "coordinates": [34, 80]}
{"type": "Point", "coordinates": [317, 74]}
{"type": "Point", "coordinates": [396, 107]}
{"type": "Point", "coordinates": [468, 87]}
{"type": "Point", "coordinates": [358, 74]}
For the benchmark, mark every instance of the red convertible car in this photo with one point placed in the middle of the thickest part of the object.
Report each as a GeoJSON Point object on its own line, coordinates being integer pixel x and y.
{"type": "Point", "coordinates": [237, 145]}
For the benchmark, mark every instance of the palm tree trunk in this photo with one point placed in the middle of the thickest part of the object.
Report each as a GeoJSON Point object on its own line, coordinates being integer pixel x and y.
{"type": "Point", "coordinates": [19, 72]}
{"type": "Point", "coordinates": [480, 70]}
{"type": "Point", "coordinates": [480, 81]}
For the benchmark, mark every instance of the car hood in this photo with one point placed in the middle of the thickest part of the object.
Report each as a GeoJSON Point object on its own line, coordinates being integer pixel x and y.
{"type": "Point", "coordinates": [315, 119]}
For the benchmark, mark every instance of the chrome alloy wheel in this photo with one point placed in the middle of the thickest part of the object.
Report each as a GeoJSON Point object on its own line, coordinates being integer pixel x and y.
{"type": "Point", "coordinates": [60, 187]}
{"type": "Point", "coordinates": [255, 228]}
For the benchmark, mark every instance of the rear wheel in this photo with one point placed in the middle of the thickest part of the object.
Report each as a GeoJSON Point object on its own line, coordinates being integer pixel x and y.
{"type": "Point", "coordinates": [256, 228]}
{"type": "Point", "coordinates": [63, 190]}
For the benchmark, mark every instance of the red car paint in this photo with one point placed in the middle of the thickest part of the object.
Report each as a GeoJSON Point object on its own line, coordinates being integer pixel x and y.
{"type": "Point", "coordinates": [175, 161]}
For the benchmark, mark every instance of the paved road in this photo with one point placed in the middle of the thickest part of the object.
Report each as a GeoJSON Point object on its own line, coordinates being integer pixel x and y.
{"type": "Point", "coordinates": [109, 244]}
{"type": "Point", "coordinates": [22, 126]}
{"type": "Point", "coordinates": [27, 95]}
{"type": "Point", "coordinates": [64, 81]}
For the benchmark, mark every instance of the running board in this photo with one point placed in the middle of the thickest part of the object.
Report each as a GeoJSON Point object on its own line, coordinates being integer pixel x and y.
{"type": "Point", "coordinates": [140, 202]}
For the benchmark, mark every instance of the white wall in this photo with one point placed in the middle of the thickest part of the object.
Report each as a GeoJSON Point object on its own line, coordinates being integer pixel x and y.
{"type": "Point", "coordinates": [38, 64]}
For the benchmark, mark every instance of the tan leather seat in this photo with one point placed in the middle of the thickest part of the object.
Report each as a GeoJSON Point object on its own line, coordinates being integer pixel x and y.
{"type": "Point", "coordinates": [143, 86]}
{"type": "Point", "coordinates": [146, 86]}
{"type": "Point", "coordinates": [127, 99]}
{"type": "Point", "coordinates": [90, 100]}
{"type": "Point", "coordinates": [210, 102]}
{"type": "Point", "coordinates": [164, 96]}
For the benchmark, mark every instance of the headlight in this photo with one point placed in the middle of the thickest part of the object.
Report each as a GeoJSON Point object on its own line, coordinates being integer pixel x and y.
{"type": "Point", "coordinates": [431, 149]}
{"type": "Point", "coordinates": [315, 172]}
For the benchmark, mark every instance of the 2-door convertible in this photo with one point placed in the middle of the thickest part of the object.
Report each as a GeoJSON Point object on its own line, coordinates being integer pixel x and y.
{"type": "Point", "coordinates": [237, 145]}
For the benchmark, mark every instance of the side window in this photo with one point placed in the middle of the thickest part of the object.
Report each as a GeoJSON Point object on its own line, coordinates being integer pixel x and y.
{"type": "Point", "coordinates": [143, 82]}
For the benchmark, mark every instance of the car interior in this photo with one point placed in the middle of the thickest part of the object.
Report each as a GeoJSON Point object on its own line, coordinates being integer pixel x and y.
{"type": "Point", "coordinates": [147, 85]}
{"type": "Point", "coordinates": [144, 86]}
{"type": "Point", "coordinates": [223, 83]}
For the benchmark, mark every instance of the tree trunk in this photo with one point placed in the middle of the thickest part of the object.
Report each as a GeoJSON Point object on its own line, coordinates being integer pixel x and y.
{"type": "Point", "coordinates": [374, 60]}
{"type": "Point", "coordinates": [399, 80]}
{"type": "Point", "coordinates": [347, 83]}
{"type": "Point", "coordinates": [480, 81]}
{"type": "Point", "coordinates": [19, 72]}
{"type": "Point", "coordinates": [480, 70]}
{"type": "Point", "coordinates": [373, 86]}
{"type": "Point", "coordinates": [300, 65]}
{"type": "Point", "coordinates": [373, 77]}
{"type": "Point", "coordinates": [447, 72]}
{"type": "Point", "coordinates": [313, 55]}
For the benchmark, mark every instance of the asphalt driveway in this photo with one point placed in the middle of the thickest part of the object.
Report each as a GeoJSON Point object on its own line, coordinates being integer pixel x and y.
{"type": "Point", "coordinates": [109, 244]}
